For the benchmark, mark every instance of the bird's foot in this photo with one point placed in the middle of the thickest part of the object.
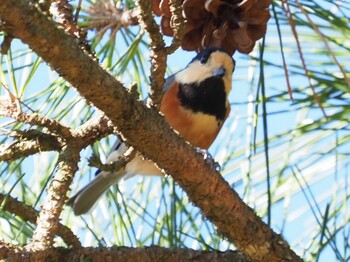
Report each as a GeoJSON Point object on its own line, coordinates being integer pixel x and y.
{"type": "Point", "coordinates": [208, 158]}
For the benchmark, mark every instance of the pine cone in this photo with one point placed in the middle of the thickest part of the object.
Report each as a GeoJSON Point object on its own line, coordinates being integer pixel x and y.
{"type": "Point", "coordinates": [229, 24]}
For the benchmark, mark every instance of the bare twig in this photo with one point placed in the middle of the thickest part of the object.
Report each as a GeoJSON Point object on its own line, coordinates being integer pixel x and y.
{"type": "Point", "coordinates": [286, 9]}
{"type": "Point", "coordinates": [48, 219]}
{"type": "Point", "coordinates": [6, 44]}
{"type": "Point", "coordinates": [28, 143]}
{"type": "Point", "coordinates": [324, 40]}
{"type": "Point", "coordinates": [93, 130]}
{"type": "Point", "coordinates": [69, 22]}
{"type": "Point", "coordinates": [177, 25]}
{"type": "Point", "coordinates": [11, 108]}
{"type": "Point", "coordinates": [290, 91]}
{"type": "Point", "coordinates": [76, 16]}
{"type": "Point", "coordinates": [106, 15]}
{"type": "Point", "coordinates": [130, 153]}
{"type": "Point", "coordinates": [158, 53]}
{"type": "Point", "coordinates": [53, 126]}
{"type": "Point", "coordinates": [29, 214]}
{"type": "Point", "coordinates": [33, 141]}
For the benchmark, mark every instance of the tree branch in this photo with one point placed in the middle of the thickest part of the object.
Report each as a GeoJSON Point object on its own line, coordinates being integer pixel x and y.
{"type": "Point", "coordinates": [52, 125]}
{"type": "Point", "coordinates": [106, 15]}
{"type": "Point", "coordinates": [177, 25]}
{"type": "Point", "coordinates": [148, 132]}
{"type": "Point", "coordinates": [48, 219]}
{"type": "Point", "coordinates": [29, 214]}
{"type": "Point", "coordinates": [158, 53]}
{"type": "Point", "coordinates": [28, 143]}
{"type": "Point", "coordinates": [153, 253]}
{"type": "Point", "coordinates": [54, 136]}
{"type": "Point", "coordinates": [93, 130]}
{"type": "Point", "coordinates": [115, 166]}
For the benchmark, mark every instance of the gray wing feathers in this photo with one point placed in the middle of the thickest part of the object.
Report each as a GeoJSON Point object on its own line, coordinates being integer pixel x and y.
{"type": "Point", "coordinates": [86, 198]}
{"type": "Point", "coordinates": [168, 82]}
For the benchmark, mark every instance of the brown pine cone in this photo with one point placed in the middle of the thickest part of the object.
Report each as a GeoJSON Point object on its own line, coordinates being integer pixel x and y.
{"type": "Point", "coordinates": [229, 24]}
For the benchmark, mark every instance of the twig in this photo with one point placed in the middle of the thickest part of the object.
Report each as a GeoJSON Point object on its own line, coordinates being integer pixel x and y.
{"type": "Point", "coordinates": [53, 126]}
{"type": "Point", "coordinates": [76, 17]}
{"type": "Point", "coordinates": [6, 44]}
{"type": "Point", "coordinates": [290, 91]}
{"type": "Point", "coordinates": [286, 9]}
{"type": "Point", "coordinates": [130, 153]}
{"type": "Point", "coordinates": [28, 143]}
{"type": "Point", "coordinates": [11, 108]}
{"type": "Point", "coordinates": [29, 214]}
{"type": "Point", "coordinates": [48, 219]}
{"type": "Point", "coordinates": [93, 130]}
{"type": "Point", "coordinates": [158, 53]}
{"type": "Point", "coordinates": [177, 25]}
{"type": "Point", "coordinates": [65, 14]}
{"type": "Point", "coordinates": [330, 52]}
{"type": "Point", "coordinates": [103, 16]}
{"type": "Point", "coordinates": [69, 23]}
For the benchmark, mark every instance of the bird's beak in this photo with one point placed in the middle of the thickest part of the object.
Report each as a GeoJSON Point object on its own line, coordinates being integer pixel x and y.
{"type": "Point", "coordinates": [219, 72]}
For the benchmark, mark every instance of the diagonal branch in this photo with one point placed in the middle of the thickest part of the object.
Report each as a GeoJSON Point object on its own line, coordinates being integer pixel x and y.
{"type": "Point", "coordinates": [148, 132]}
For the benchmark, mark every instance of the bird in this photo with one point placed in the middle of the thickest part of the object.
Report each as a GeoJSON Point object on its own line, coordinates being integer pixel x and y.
{"type": "Point", "coordinates": [195, 103]}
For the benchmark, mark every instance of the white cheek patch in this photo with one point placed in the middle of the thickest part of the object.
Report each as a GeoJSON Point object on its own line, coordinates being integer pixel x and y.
{"type": "Point", "coordinates": [219, 58]}
{"type": "Point", "coordinates": [223, 59]}
{"type": "Point", "coordinates": [195, 72]}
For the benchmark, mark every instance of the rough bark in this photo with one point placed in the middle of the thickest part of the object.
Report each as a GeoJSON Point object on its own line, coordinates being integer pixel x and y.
{"type": "Point", "coordinates": [125, 254]}
{"type": "Point", "coordinates": [48, 219]}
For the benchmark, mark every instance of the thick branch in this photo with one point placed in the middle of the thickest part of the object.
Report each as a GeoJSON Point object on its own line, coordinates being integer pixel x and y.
{"type": "Point", "coordinates": [29, 214]}
{"type": "Point", "coordinates": [148, 133]}
{"type": "Point", "coordinates": [153, 253]}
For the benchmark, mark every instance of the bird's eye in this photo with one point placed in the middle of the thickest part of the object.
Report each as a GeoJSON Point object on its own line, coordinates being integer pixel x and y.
{"type": "Point", "coordinates": [204, 59]}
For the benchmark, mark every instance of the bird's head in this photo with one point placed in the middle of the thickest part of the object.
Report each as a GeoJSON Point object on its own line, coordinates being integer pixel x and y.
{"type": "Point", "coordinates": [210, 63]}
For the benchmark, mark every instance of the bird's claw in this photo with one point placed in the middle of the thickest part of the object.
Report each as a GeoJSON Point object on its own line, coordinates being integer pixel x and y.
{"type": "Point", "coordinates": [209, 158]}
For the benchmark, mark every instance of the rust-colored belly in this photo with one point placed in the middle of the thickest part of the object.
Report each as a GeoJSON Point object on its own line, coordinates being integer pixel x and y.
{"type": "Point", "coordinates": [197, 128]}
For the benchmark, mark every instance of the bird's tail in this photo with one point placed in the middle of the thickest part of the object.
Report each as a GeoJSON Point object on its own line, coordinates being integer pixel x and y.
{"type": "Point", "coordinates": [86, 197]}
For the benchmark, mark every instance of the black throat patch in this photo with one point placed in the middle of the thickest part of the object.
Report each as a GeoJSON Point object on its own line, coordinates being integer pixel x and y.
{"type": "Point", "coordinates": [208, 97]}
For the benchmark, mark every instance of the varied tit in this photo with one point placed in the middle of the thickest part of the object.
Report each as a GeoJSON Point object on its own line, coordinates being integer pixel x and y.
{"type": "Point", "coordinates": [194, 103]}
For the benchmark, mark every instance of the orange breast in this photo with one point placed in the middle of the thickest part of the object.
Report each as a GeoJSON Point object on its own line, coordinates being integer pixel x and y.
{"type": "Point", "coordinates": [198, 129]}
